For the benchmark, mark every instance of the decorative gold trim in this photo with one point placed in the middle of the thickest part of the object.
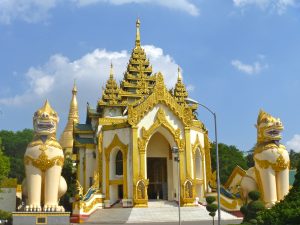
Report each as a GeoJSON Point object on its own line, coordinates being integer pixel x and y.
{"type": "Point", "coordinates": [279, 165]}
{"type": "Point", "coordinates": [34, 214]}
{"type": "Point", "coordinates": [160, 121]}
{"type": "Point", "coordinates": [141, 193]}
{"type": "Point", "coordinates": [262, 147]}
{"type": "Point", "coordinates": [87, 208]}
{"type": "Point", "coordinates": [112, 121]}
{"type": "Point", "coordinates": [160, 95]}
{"type": "Point", "coordinates": [230, 205]}
{"type": "Point", "coordinates": [113, 182]}
{"type": "Point", "coordinates": [43, 162]}
{"type": "Point", "coordinates": [100, 161]}
{"type": "Point", "coordinates": [115, 126]}
{"type": "Point", "coordinates": [116, 142]}
{"type": "Point", "coordinates": [195, 146]}
{"type": "Point", "coordinates": [207, 148]}
{"type": "Point", "coordinates": [236, 171]}
{"type": "Point", "coordinates": [51, 141]}
{"type": "Point", "coordinates": [188, 151]}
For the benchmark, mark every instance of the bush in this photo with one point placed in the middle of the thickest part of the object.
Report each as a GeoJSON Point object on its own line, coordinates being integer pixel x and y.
{"type": "Point", "coordinates": [254, 195]}
{"type": "Point", "coordinates": [212, 208]}
{"type": "Point", "coordinates": [252, 209]}
{"type": "Point", "coordinates": [210, 199]}
{"type": "Point", "coordinates": [6, 216]}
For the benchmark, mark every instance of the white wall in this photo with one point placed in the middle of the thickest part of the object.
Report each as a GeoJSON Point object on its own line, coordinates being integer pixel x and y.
{"type": "Point", "coordinates": [8, 199]}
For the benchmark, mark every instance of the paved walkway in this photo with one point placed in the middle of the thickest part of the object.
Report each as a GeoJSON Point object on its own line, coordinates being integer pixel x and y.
{"type": "Point", "coordinates": [161, 211]}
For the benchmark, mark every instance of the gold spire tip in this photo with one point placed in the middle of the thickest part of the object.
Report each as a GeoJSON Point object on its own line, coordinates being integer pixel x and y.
{"type": "Point", "coordinates": [179, 74]}
{"type": "Point", "coordinates": [111, 74]}
{"type": "Point", "coordinates": [74, 90]}
{"type": "Point", "coordinates": [138, 36]}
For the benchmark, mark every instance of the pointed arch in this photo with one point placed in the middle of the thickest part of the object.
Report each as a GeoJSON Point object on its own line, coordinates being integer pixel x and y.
{"type": "Point", "coordinates": [116, 143]}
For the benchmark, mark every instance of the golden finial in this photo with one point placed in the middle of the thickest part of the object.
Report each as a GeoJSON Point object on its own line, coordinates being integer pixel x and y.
{"type": "Point", "coordinates": [179, 78]}
{"type": "Point", "coordinates": [138, 36]}
{"type": "Point", "coordinates": [74, 90]}
{"type": "Point", "coordinates": [111, 73]}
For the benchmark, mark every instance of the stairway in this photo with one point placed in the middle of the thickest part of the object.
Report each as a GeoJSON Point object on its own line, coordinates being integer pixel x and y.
{"type": "Point", "coordinates": [158, 211]}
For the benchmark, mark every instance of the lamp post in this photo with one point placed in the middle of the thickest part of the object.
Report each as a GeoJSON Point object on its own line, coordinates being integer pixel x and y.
{"type": "Point", "coordinates": [217, 159]}
{"type": "Point", "coordinates": [175, 151]}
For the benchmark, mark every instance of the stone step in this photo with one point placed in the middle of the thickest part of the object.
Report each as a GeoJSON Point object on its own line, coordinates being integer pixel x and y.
{"type": "Point", "coordinates": [167, 213]}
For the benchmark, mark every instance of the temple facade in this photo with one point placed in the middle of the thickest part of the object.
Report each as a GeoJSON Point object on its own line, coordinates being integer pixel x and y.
{"type": "Point", "coordinates": [124, 148]}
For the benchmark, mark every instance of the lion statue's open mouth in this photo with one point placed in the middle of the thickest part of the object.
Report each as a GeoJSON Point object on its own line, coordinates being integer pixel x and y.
{"type": "Point", "coordinates": [45, 120]}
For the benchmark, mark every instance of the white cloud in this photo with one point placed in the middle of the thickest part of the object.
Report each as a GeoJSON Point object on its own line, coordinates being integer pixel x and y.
{"type": "Point", "coordinates": [54, 79]}
{"type": "Point", "coordinates": [294, 143]}
{"type": "Point", "coordinates": [254, 68]}
{"type": "Point", "coordinates": [32, 11]}
{"type": "Point", "coordinates": [280, 6]}
{"type": "Point", "coordinates": [183, 5]}
{"type": "Point", "coordinates": [190, 87]}
{"type": "Point", "coordinates": [28, 10]}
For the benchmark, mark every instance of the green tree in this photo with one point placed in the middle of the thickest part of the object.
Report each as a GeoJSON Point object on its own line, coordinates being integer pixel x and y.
{"type": "Point", "coordinates": [4, 164]}
{"type": "Point", "coordinates": [70, 176]}
{"type": "Point", "coordinates": [211, 207]}
{"type": "Point", "coordinates": [229, 157]}
{"type": "Point", "coordinates": [294, 159]}
{"type": "Point", "coordinates": [15, 144]}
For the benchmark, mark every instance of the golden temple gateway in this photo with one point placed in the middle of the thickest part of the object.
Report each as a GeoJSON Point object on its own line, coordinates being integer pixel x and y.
{"type": "Point", "coordinates": [124, 149]}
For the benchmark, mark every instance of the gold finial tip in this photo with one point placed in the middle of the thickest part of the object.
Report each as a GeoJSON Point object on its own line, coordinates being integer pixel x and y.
{"type": "Point", "coordinates": [74, 90]}
{"type": "Point", "coordinates": [111, 74]}
{"type": "Point", "coordinates": [138, 22]}
{"type": "Point", "coordinates": [179, 74]}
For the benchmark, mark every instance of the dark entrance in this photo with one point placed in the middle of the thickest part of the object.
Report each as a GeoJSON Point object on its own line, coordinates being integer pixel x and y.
{"type": "Point", "coordinates": [157, 175]}
{"type": "Point", "coordinates": [120, 191]}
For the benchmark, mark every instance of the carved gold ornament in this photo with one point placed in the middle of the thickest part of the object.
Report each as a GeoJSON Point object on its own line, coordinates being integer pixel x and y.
{"type": "Point", "coordinates": [50, 141]}
{"type": "Point", "coordinates": [160, 95]}
{"type": "Point", "coordinates": [279, 165]}
{"type": "Point", "coordinates": [160, 121]}
{"type": "Point", "coordinates": [43, 162]}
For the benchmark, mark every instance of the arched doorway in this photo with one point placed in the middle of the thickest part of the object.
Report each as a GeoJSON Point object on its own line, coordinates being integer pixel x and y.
{"type": "Point", "coordinates": [160, 167]}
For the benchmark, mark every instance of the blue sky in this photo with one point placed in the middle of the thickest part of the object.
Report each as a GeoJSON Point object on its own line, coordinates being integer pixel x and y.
{"type": "Point", "coordinates": [237, 56]}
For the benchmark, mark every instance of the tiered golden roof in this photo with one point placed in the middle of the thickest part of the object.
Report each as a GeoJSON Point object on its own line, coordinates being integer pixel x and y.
{"type": "Point", "coordinates": [66, 139]}
{"type": "Point", "coordinates": [111, 93]}
{"type": "Point", "coordinates": [137, 81]}
{"type": "Point", "coordinates": [180, 92]}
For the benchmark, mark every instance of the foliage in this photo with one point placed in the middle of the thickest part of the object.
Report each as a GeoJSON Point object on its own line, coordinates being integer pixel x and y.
{"type": "Point", "coordinates": [4, 164]}
{"type": "Point", "coordinates": [294, 159]}
{"type": "Point", "coordinates": [70, 176]}
{"type": "Point", "coordinates": [211, 208]}
{"type": "Point", "coordinates": [6, 216]}
{"type": "Point", "coordinates": [252, 209]}
{"type": "Point", "coordinates": [229, 157]}
{"type": "Point", "coordinates": [210, 199]}
{"type": "Point", "coordinates": [15, 144]}
{"type": "Point", "coordinates": [254, 195]}
{"type": "Point", "coordinates": [286, 211]}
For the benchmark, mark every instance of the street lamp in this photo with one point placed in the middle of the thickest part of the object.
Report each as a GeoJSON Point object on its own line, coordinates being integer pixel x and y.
{"type": "Point", "coordinates": [175, 151]}
{"type": "Point", "coordinates": [217, 154]}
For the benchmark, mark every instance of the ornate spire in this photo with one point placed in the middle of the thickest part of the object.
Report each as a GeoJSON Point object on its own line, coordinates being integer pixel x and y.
{"type": "Point", "coordinates": [110, 95]}
{"type": "Point", "coordinates": [66, 139]}
{"type": "Point", "coordinates": [137, 81]}
{"type": "Point", "coordinates": [180, 92]}
{"type": "Point", "coordinates": [138, 36]}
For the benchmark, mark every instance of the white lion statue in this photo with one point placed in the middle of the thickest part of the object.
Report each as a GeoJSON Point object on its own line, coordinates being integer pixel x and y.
{"type": "Point", "coordinates": [43, 161]}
